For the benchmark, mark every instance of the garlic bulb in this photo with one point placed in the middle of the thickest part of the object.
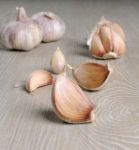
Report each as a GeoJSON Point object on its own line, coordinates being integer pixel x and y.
{"type": "Point", "coordinates": [91, 76]}
{"type": "Point", "coordinates": [58, 61]}
{"type": "Point", "coordinates": [70, 103]}
{"type": "Point", "coordinates": [107, 40]}
{"type": "Point", "coordinates": [53, 26]}
{"type": "Point", "coordinates": [38, 78]}
{"type": "Point", "coordinates": [22, 34]}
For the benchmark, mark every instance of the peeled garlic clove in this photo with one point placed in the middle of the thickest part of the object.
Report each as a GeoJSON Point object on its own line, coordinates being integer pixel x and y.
{"type": "Point", "coordinates": [70, 103]}
{"type": "Point", "coordinates": [96, 47]}
{"type": "Point", "coordinates": [38, 78]}
{"type": "Point", "coordinates": [23, 34]}
{"type": "Point", "coordinates": [106, 38]}
{"type": "Point", "coordinates": [92, 76]}
{"type": "Point", "coordinates": [58, 61]}
{"type": "Point", "coordinates": [118, 44]}
{"type": "Point", "coordinates": [53, 26]}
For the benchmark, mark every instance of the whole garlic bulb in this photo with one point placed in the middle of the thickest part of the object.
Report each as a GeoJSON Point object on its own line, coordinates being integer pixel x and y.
{"type": "Point", "coordinates": [107, 40]}
{"type": "Point", "coordinates": [23, 34]}
{"type": "Point", "coordinates": [53, 26]}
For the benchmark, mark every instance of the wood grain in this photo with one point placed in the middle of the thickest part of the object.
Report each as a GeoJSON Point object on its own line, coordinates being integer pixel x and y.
{"type": "Point", "coordinates": [27, 121]}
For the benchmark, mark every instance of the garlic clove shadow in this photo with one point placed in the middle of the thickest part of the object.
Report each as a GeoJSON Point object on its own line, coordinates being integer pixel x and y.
{"type": "Point", "coordinates": [70, 103]}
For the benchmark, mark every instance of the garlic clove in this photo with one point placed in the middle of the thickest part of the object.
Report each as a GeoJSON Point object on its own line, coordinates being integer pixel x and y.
{"type": "Point", "coordinates": [96, 47]}
{"type": "Point", "coordinates": [38, 78]}
{"type": "Point", "coordinates": [92, 76]}
{"type": "Point", "coordinates": [118, 44]}
{"type": "Point", "coordinates": [106, 38]}
{"type": "Point", "coordinates": [70, 103]}
{"type": "Point", "coordinates": [58, 62]}
{"type": "Point", "coordinates": [116, 28]}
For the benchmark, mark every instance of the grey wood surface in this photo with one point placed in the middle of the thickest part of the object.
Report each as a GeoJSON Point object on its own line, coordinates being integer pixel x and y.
{"type": "Point", "coordinates": [27, 121]}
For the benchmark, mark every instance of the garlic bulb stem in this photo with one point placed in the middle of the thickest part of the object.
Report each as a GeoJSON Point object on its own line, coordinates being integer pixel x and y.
{"type": "Point", "coordinates": [21, 14]}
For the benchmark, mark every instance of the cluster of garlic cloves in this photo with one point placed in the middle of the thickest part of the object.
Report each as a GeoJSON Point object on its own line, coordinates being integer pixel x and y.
{"type": "Point", "coordinates": [27, 33]}
{"type": "Point", "coordinates": [52, 25]}
{"type": "Point", "coordinates": [107, 40]}
{"type": "Point", "coordinates": [58, 62]}
{"type": "Point", "coordinates": [70, 103]}
{"type": "Point", "coordinates": [23, 34]}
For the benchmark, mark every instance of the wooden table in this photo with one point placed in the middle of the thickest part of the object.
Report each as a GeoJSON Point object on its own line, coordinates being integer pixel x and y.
{"type": "Point", "coordinates": [27, 121]}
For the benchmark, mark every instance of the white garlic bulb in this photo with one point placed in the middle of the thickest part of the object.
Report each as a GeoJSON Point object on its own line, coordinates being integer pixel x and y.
{"type": "Point", "coordinates": [107, 40]}
{"type": "Point", "coordinates": [53, 26]}
{"type": "Point", "coordinates": [23, 34]}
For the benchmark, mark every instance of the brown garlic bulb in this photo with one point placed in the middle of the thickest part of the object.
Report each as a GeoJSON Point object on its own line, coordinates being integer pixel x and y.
{"type": "Point", "coordinates": [70, 103]}
{"type": "Point", "coordinates": [23, 34]}
{"type": "Point", "coordinates": [107, 40]}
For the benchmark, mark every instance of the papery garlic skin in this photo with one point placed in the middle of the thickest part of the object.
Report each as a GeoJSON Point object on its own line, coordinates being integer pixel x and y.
{"type": "Point", "coordinates": [107, 40]}
{"type": "Point", "coordinates": [70, 103]}
{"type": "Point", "coordinates": [58, 61]}
{"type": "Point", "coordinates": [23, 34]}
{"type": "Point", "coordinates": [92, 76]}
{"type": "Point", "coordinates": [53, 26]}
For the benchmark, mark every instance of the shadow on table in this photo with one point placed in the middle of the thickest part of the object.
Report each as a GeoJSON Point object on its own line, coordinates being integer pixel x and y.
{"type": "Point", "coordinates": [83, 50]}
{"type": "Point", "coordinates": [49, 115]}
